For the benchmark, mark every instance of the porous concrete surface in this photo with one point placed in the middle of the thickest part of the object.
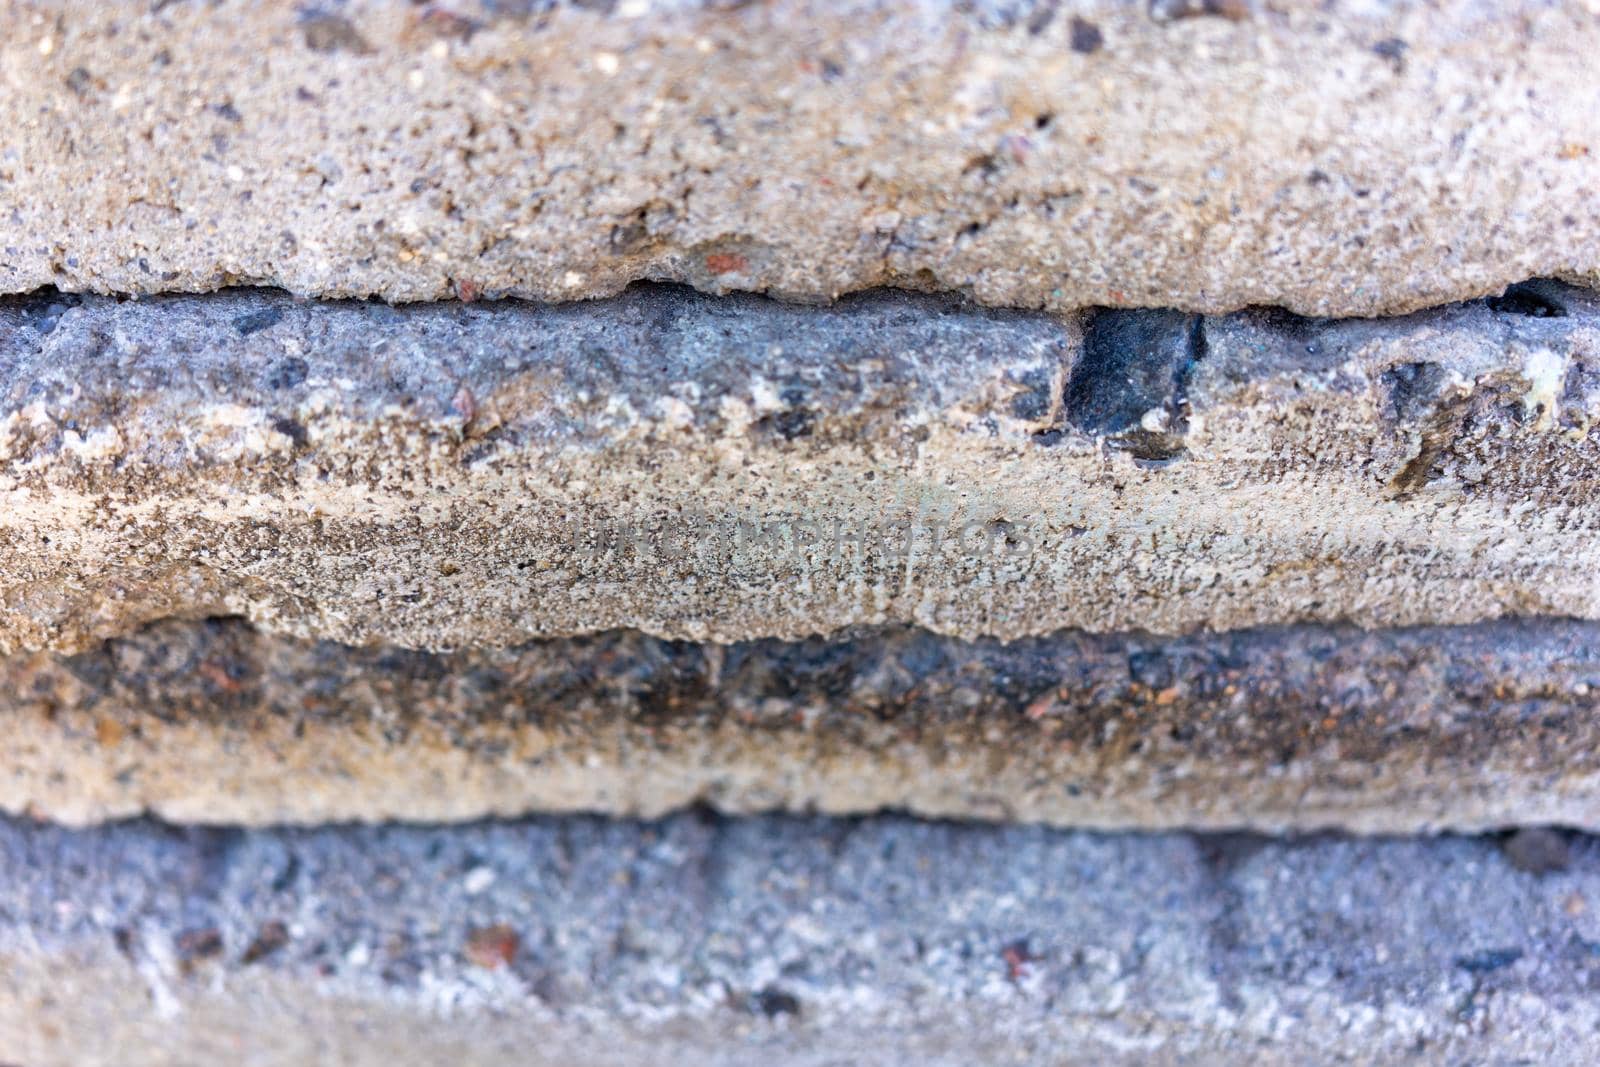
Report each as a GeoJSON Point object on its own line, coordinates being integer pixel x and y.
{"type": "Point", "coordinates": [1389, 731]}
{"type": "Point", "coordinates": [804, 942]}
{"type": "Point", "coordinates": [725, 468]}
{"type": "Point", "coordinates": [1335, 159]}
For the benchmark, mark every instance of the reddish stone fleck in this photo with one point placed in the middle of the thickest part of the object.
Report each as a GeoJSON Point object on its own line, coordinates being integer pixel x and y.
{"type": "Point", "coordinates": [1017, 956]}
{"type": "Point", "coordinates": [492, 947]}
{"type": "Point", "coordinates": [726, 263]}
{"type": "Point", "coordinates": [465, 403]}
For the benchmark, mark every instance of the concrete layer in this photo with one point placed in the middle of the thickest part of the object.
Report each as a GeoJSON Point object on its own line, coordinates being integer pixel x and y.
{"type": "Point", "coordinates": [786, 942]}
{"type": "Point", "coordinates": [1391, 731]}
{"type": "Point", "coordinates": [720, 469]}
{"type": "Point", "coordinates": [1341, 159]}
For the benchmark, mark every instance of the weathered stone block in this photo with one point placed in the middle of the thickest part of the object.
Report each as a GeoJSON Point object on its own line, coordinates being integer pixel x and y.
{"type": "Point", "coordinates": [795, 943]}
{"type": "Point", "coordinates": [1344, 160]}
{"type": "Point", "coordinates": [444, 476]}
{"type": "Point", "coordinates": [1286, 729]}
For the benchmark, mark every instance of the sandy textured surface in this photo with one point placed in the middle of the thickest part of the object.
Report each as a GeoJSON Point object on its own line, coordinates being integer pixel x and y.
{"type": "Point", "coordinates": [1389, 731]}
{"type": "Point", "coordinates": [1341, 159]}
{"type": "Point", "coordinates": [442, 476]}
{"type": "Point", "coordinates": [791, 942]}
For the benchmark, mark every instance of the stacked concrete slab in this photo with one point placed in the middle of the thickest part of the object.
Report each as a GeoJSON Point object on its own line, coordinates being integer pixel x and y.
{"type": "Point", "coordinates": [1129, 415]}
{"type": "Point", "coordinates": [791, 942]}
{"type": "Point", "coordinates": [1199, 154]}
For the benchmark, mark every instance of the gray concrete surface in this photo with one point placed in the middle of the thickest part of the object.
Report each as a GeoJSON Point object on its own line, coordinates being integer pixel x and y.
{"type": "Point", "coordinates": [1336, 159]}
{"type": "Point", "coordinates": [444, 476]}
{"type": "Point", "coordinates": [809, 941]}
{"type": "Point", "coordinates": [387, 503]}
{"type": "Point", "coordinates": [1384, 731]}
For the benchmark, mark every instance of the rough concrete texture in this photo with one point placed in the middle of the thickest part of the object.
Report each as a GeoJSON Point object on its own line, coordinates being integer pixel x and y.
{"type": "Point", "coordinates": [1335, 159]}
{"type": "Point", "coordinates": [1390, 731]}
{"type": "Point", "coordinates": [702, 468]}
{"type": "Point", "coordinates": [808, 942]}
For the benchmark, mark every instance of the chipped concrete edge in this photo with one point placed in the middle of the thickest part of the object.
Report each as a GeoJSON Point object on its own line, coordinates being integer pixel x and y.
{"type": "Point", "coordinates": [1036, 154]}
{"type": "Point", "coordinates": [1298, 729]}
{"type": "Point", "coordinates": [798, 942]}
{"type": "Point", "coordinates": [445, 476]}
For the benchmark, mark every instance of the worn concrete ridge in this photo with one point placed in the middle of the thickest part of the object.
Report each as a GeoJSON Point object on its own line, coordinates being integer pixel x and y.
{"type": "Point", "coordinates": [443, 476]}
{"type": "Point", "coordinates": [1306, 728]}
{"type": "Point", "coordinates": [1344, 160]}
{"type": "Point", "coordinates": [797, 943]}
